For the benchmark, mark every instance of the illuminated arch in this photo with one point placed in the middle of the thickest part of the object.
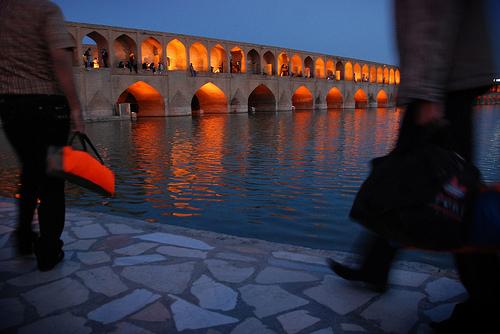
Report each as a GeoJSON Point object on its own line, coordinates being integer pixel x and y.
{"type": "Point", "coordinates": [218, 59]}
{"type": "Point", "coordinates": [198, 56]}
{"type": "Point", "coordinates": [283, 63]}
{"type": "Point", "coordinates": [391, 76]}
{"type": "Point", "coordinates": [262, 99]}
{"type": "Point", "coordinates": [365, 73]}
{"type": "Point", "coordinates": [253, 61]}
{"type": "Point", "coordinates": [380, 75]}
{"type": "Point", "coordinates": [357, 72]}
{"type": "Point", "coordinates": [144, 99]}
{"type": "Point", "coordinates": [176, 56]}
{"type": "Point", "coordinates": [360, 99]}
{"type": "Point", "coordinates": [330, 69]}
{"type": "Point", "coordinates": [209, 99]}
{"type": "Point", "coordinates": [386, 75]}
{"type": "Point", "coordinates": [151, 51]}
{"type": "Point", "coordinates": [373, 74]}
{"type": "Point", "coordinates": [382, 99]}
{"type": "Point", "coordinates": [302, 98]}
{"type": "Point", "coordinates": [348, 71]}
{"type": "Point", "coordinates": [269, 63]}
{"type": "Point", "coordinates": [397, 77]}
{"type": "Point", "coordinates": [319, 68]}
{"type": "Point", "coordinates": [296, 69]}
{"type": "Point", "coordinates": [123, 47]}
{"type": "Point", "coordinates": [97, 43]}
{"type": "Point", "coordinates": [339, 71]}
{"type": "Point", "coordinates": [334, 98]}
{"type": "Point", "coordinates": [238, 60]}
{"type": "Point", "coordinates": [308, 67]}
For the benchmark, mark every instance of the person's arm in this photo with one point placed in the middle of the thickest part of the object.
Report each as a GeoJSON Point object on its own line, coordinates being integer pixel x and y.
{"type": "Point", "coordinates": [63, 67]}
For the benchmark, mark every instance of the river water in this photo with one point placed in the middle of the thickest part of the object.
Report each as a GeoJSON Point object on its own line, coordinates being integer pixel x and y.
{"type": "Point", "coordinates": [288, 177]}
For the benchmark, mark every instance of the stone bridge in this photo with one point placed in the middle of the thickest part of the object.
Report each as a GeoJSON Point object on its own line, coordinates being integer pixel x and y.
{"type": "Point", "coordinates": [206, 75]}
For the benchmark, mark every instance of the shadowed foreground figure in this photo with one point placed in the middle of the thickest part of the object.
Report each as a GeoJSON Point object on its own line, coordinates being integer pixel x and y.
{"type": "Point", "coordinates": [38, 106]}
{"type": "Point", "coordinates": [446, 62]}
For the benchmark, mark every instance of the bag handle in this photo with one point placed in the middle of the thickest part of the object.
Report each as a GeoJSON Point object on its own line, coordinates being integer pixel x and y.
{"type": "Point", "coordinates": [84, 140]}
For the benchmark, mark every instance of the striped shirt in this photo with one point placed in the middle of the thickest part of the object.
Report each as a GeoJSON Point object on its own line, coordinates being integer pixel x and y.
{"type": "Point", "coordinates": [29, 29]}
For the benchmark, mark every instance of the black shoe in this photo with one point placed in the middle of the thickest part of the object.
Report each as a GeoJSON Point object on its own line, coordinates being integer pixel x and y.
{"type": "Point", "coordinates": [48, 255]}
{"type": "Point", "coordinates": [466, 318]}
{"type": "Point", "coordinates": [357, 275]}
{"type": "Point", "coordinates": [24, 242]}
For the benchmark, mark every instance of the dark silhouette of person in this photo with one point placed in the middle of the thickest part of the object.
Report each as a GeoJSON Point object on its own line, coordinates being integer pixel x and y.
{"type": "Point", "coordinates": [105, 57]}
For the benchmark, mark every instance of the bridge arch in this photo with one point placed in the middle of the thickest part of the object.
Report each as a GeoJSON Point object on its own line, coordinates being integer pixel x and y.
{"type": "Point", "coordinates": [397, 77]}
{"type": "Point", "coordinates": [380, 75]}
{"type": "Point", "coordinates": [373, 74]}
{"type": "Point", "coordinates": [123, 47]}
{"type": "Point", "coordinates": [339, 71]}
{"type": "Point", "coordinates": [365, 73]}
{"type": "Point", "coordinates": [262, 99]}
{"type": "Point", "coordinates": [382, 99]}
{"type": "Point", "coordinates": [334, 98]}
{"type": "Point", "coordinates": [144, 99]}
{"type": "Point", "coordinates": [238, 60]}
{"type": "Point", "coordinates": [319, 68]}
{"type": "Point", "coordinates": [386, 75]}
{"type": "Point", "coordinates": [348, 75]}
{"type": "Point", "coordinates": [296, 69]}
{"type": "Point", "coordinates": [218, 59]}
{"type": "Point", "coordinates": [198, 56]}
{"type": "Point", "coordinates": [151, 51]}
{"type": "Point", "coordinates": [209, 99]}
{"type": "Point", "coordinates": [357, 72]}
{"type": "Point", "coordinates": [97, 43]}
{"type": "Point", "coordinates": [330, 69]}
{"type": "Point", "coordinates": [308, 67]}
{"type": "Point", "coordinates": [360, 99]}
{"type": "Point", "coordinates": [391, 76]}
{"type": "Point", "coordinates": [283, 63]}
{"type": "Point", "coordinates": [254, 62]}
{"type": "Point", "coordinates": [176, 56]}
{"type": "Point", "coordinates": [302, 98]}
{"type": "Point", "coordinates": [269, 63]}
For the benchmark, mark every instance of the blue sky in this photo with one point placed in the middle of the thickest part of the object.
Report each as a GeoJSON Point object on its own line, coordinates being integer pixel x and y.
{"type": "Point", "coordinates": [352, 28]}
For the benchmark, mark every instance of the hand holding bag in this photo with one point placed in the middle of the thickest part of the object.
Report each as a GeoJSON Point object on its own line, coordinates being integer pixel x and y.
{"type": "Point", "coordinates": [80, 167]}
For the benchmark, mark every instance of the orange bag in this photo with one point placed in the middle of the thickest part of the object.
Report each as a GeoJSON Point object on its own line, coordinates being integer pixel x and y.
{"type": "Point", "coordinates": [81, 168]}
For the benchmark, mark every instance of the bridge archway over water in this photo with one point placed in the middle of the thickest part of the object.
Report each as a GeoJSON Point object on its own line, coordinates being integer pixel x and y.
{"type": "Point", "coordinates": [334, 98]}
{"type": "Point", "coordinates": [209, 99]}
{"type": "Point", "coordinates": [382, 99]}
{"type": "Point", "coordinates": [360, 99]}
{"type": "Point", "coordinates": [302, 98]}
{"type": "Point", "coordinates": [144, 99]}
{"type": "Point", "coordinates": [262, 99]}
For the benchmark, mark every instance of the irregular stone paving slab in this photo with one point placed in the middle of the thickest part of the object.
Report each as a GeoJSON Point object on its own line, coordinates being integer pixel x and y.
{"type": "Point", "coordinates": [128, 328]}
{"type": "Point", "coordinates": [4, 239]}
{"type": "Point", "coordinates": [139, 259]}
{"type": "Point", "coordinates": [273, 275]}
{"type": "Point", "coordinates": [172, 278]}
{"type": "Point", "coordinates": [11, 313]}
{"type": "Point", "coordinates": [396, 311]}
{"type": "Point", "coordinates": [135, 249]}
{"type": "Point", "coordinates": [299, 266]}
{"type": "Point", "coordinates": [226, 272]}
{"type": "Point", "coordinates": [5, 229]}
{"type": "Point", "coordinates": [235, 257]}
{"type": "Point", "coordinates": [269, 299]}
{"type": "Point", "coordinates": [251, 326]}
{"type": "Point", "coordinates": [189, 316]}
{"type": "Point", "coordinates": [58, 324]}
{"type": "Point", "coordinates": [122, 307]}
{"type": "Point", "coordinates": [64, 269]}
{"type": "Point", "coordinates": [407, 278]}
{"type": "Point", "coordinates": [102, 280]}
{"type": "Point", "coordinates": [181, 252]}
{"type": "Point", "coordinates": [82, 245]}
{"type": "Point", "coordinates": [57, 296]}
{"type": "Point", "coordinates": [296, 321]}
{"type": "Point", "coordinates": [19, 266]}
{"type": "Point", "coordinates": [90, 231]}
{"type": "Point", "coordinates": [338, 295]}
{"type": "Point", "coordinates": [91, 258]}
{"type": "Point", "coordinates": [153, 313]}
{"type": "Point", "coordinates": [323, 331]}
{"type": "Point", "coordinates": [300, 257]}
{"type": "Point", "coordinates": [440, 313]}
{"type": "Point", "coordinates": [121, 229]}
{"type": "Point", "coordinates": [175, 240]}
{"type": "Point", "coordinates": [81, 222]}
{"type": "Point", "coordinates": [214, 295]}
{"type": "Point", "coordinates": [443, 289]}
{"type": "Point", "coordinates": [7, 253]}
{"type": "Point", "coordinates": [352, 328]}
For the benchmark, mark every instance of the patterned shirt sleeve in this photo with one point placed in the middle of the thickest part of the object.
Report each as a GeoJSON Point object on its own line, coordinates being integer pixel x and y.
{"type": "Point", "coordinates": [56, 33]}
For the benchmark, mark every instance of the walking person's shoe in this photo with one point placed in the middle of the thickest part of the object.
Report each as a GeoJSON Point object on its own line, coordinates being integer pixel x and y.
{"type": "Point", "coordinates": [48, 254]}
{"type": "Point", "coordinates": [357, 275]}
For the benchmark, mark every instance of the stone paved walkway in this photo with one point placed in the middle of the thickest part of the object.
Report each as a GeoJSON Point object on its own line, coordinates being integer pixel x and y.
{"type": "Point", "coordinates": [122, 275]}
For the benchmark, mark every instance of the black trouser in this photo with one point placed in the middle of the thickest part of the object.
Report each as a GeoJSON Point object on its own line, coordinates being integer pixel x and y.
{"type": "Point", "coordinates": [479, 272]}
{"type": "Point", "coordinates": [32, 123]}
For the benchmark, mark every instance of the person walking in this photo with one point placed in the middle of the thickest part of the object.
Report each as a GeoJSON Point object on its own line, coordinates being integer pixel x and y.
{"type": "Point", "coordinates": [39, 106]}
{"type": "Point", "coordinates": [88, 58]}
{"type": "Point", "coordinates": [446, 62]}
{"type": "Point", "coordinates": [104, 56]}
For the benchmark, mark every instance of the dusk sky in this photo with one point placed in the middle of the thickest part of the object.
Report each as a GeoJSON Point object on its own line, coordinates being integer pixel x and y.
{"type": "Point", "coordinates": [355, 28]}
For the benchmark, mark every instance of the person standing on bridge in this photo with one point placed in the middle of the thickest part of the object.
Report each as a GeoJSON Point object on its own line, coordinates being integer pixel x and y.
{"type": "Point", "coordinates": [445, 61]}
{"type": "Point", "coordinates": [38, 107]}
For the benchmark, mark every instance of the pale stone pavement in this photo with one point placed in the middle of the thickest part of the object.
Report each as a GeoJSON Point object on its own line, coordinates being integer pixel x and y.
{"type": "Point", "coordinates": [122, 275]}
